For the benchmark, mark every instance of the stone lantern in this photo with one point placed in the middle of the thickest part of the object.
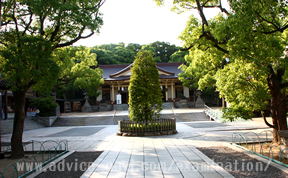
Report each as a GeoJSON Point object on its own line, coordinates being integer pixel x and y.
{"type": "Point", "coordinates": [86, 107]}
{"type": "Point", "coordinates": [199, 102]}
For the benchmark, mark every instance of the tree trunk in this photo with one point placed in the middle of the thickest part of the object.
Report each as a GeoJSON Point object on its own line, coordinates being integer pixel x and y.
{"type": "Point", "coordinates": [278, 104]}
{"type": "Point", "coordinates": [18, 126]}
{"type": "Point", "coordinates": [279, 118]}
{"type": "Point", "coordinates": [282, 114]}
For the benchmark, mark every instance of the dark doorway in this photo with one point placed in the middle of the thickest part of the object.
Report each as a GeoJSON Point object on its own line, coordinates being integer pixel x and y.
{"type": "Point", "coordinates": [164, 90]}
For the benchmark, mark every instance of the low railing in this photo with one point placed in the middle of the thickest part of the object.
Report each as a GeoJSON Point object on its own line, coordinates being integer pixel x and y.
{"type": "Point", "coordinates": [173, 111]}
{"type": "Point", "coordinates": [114, 114]}
{"type": "Point", "coordinates": [162, 126]}
{"type": "Point", "coordinates": [257, 143]}
{"type": "Point", "coordinates": [45, 152]}
{"type": "Point", "coordinates": [215, 115]}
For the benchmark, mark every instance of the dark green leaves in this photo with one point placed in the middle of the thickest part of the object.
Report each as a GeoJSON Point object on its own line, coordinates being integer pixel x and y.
{"type": "Point", "coordinates": [145, 95]}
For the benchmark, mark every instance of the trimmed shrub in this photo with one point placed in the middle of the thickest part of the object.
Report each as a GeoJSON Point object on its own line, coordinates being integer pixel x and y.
{"type": "Point", "coordinates": [145, 94]}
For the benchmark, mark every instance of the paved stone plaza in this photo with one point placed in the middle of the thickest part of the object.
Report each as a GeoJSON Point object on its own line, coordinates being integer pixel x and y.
{"type": "Point", "coordinates": [158, 156]}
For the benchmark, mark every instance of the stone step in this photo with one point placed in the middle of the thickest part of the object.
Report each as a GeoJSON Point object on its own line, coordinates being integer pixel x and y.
{"type": "Point", "coordinates": [190, 117]}
{"type": "Point", "coordinates": [29, 124]}
{"type": "Point", "coordinates": [86, 121]}
{"type": "Point", "coordinates": [167, 105]}
{"type": "Point", "coordinates": [109, 120]}
{"type": "Point", "coordinates": [120, 107]}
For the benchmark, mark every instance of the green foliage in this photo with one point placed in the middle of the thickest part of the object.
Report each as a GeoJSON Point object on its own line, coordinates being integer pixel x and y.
{"type": "Point", "coordinates": [30, 67]}
{"type": "Point", "coordinates": [149, 126]}
{"type": "Point", "coordinates": [114, 53]}
{"type": "Point", "coordinates": [45, 103]}
{"type": "Point", "coordinates": [121, 54]}
{"type": "Point", "coordinates": [45, 26]}
{"type": "Point", "coordinates": [134, 47]}
{"type": "Point", "coordinates": [203, 59]}
{"type": "Point", "coordinates": [178, 56]}
{"type": "Point", "coordinates": [30, 31]}
{"type": "Point", "coordinates": [243, 87]}
{"type": "Point", "coordinates": [79, 69]}
{"type": "Point", "coordinates": [164, 50]}
{"type": "Point", "coordinates": [145, 95]}
{"type": "Point", "coordinates": [149, 48]}
{"type": "Point", "coordinates": [238, 52]}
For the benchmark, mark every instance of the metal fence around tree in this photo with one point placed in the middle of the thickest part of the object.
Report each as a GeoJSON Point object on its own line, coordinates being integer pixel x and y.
{"type": "Point", "coordinates": [162, 126]}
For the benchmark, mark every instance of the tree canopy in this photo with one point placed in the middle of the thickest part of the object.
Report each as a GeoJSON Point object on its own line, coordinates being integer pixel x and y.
{"type": "Point", "coordinates": [145, 95]}
{"type": "Point", "coordinates": [241, 52]}
{"type": "Point", "coordinates": [31, 31]}
{"type": "Point", "coordinates": [121, 54]}
{"type": "Point", "coordinates": [78, 69]}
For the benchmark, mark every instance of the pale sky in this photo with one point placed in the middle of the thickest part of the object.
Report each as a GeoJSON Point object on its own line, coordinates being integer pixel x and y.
{"type": "Point", "coordinates": [138, 21]}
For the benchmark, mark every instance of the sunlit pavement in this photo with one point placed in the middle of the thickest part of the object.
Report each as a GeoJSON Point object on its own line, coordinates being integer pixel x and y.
{"type": "Point", "coordinates": [161, 156]}
{"type": "Point", "coordinates": [125, 112]}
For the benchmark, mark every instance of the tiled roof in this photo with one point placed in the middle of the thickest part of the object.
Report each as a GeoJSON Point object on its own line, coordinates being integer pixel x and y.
{"type": "Point", "coordinates": [119, 72]}
{"type": "Point", "coordinates": [111, 70]}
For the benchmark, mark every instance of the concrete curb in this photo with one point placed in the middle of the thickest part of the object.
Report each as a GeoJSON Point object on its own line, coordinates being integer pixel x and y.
{"type": "Point", "coordinates": [46, 167]}
{"type": "Point", "coordinates": [278, 166]}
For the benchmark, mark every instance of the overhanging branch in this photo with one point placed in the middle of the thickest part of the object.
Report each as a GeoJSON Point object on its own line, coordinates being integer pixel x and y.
{"type": "Point", "coordinates": [187, 49]}
{"type": "Point", "coordinates": [28, 25]}
{"type": "Point", "coordinates": [277, 27]}
{"type": "Point", "coordinates": [98, 5]}
{"type": "Point", "coordinates": [281, 29]}
{"type": "Point", "coordinates": [267, 123]}
{"type": "Point", "coordinates": [221, 49]}
{"type": "Point", "coordinates": [74, 40]}
{"type": "Point", "coordinates": [220, 7]}
{"type": "Point", "coordinates": [201, 13]}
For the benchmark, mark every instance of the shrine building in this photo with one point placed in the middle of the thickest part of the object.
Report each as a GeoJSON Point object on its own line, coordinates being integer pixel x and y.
{"type": "Point", "coordinates": [117, 78]}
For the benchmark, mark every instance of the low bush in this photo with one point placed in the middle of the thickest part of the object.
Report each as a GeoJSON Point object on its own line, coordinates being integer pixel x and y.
{"type": "Point", "coordinates": [46, 105]}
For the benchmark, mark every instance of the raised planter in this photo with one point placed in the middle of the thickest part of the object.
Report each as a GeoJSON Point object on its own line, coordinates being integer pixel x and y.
{"type": "Point", "coordinates": [46, 121]}
{"type": "Point", "coordinates": [151, 128]}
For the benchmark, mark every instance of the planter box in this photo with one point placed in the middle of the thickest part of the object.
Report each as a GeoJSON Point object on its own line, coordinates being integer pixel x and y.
{"type": "Point", "coordinates": [151, 128]}
{"type": "Point", "coordinates": [31, 114]}
{"type": "Point", "coordinates": [46, 121]}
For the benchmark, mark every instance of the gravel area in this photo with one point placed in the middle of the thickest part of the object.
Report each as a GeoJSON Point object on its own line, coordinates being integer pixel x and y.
{"type": "Point", "coordinates": [241, 165]}
{"type": "Point", "coordinates": [72, 166]}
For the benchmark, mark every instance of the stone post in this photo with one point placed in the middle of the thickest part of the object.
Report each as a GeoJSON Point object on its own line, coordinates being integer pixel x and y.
{"type": "Point", "coordinates": [199, 102]}
{"type": "Point", "coordinates": [86, 107]}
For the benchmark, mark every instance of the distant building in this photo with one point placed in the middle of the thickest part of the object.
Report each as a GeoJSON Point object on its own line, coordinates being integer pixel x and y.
{"type": "Point", "coordinates": [7, 102]}
{"type": "Point", "coordinates": [117, 78]}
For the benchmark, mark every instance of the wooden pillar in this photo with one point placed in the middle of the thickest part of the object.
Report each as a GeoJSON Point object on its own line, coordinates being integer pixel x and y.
{"type": "Point", "coordinates": [112, 98]}
{"type": "Point", "coordinates": [166, 91]}
{"type": "Point", "coordinates": [172, 90]}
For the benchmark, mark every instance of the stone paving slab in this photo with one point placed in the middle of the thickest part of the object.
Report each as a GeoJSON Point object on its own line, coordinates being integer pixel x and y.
{"type": "Point", "coordinates": [153, 157]}
{"type": "Point", "coordinates": [79, 131]}
{"type": "Point", "coordinates": [125, 112]}
{"type": "Point", "coordinates": [161, 156]}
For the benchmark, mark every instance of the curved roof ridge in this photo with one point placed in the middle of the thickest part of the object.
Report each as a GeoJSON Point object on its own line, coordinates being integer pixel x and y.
{"type": "Point", "coordinates": [163, 70]}
{"type": "Point", "coordinates": [157, 65]}
{"type": "Point", "coordinates": [121, 71]}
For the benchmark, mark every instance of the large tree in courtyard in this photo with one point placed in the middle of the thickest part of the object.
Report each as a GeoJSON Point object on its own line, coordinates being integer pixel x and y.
{"type": "Point", "coordinates": [31, 31]}
{"type": "Point", "coordinates": [145, 94]}
{"type": "Point", "coordinates": [78, 70]}
{"type": "Point", "coordinates": [243, 53]}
